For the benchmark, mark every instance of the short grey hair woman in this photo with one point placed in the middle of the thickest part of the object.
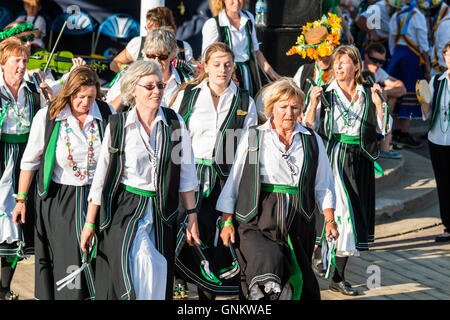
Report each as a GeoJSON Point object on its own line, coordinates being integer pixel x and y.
{"type": "Point", "coordinates": [280, 172]}
{"type": "Point", "coordinates": [138, 184]}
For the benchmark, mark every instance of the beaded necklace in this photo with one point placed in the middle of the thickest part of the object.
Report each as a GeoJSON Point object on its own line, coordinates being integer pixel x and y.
{"type": "Point", "coordinates": [22, 121]}
{"type": "Point", "coordinates": [72, 164]}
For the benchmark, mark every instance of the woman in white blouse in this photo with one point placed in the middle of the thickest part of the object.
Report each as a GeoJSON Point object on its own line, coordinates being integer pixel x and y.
{"type": "Point", "coordinates": [216, 112]}
{"type": "Point", "coordinates": [349, 127]}
{"type": "Point", "coordinates": [146, 162]}
{"type": "Point", "coordinates": [236, 28]}
{"type": "Point", "coordinates": [19, 102]}
{"type": "Point", "coordinates": [280, 172]}
{"type": "Point", "coordinates": [63, 148]}
{"type": "Point", "coordinates": [161, 45]}
{"type": "Point", "coordinates": [439, 139]}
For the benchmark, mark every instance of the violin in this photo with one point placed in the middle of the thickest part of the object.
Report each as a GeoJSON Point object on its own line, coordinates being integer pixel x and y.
{"type": "Point", "coordinates": [61, 61]}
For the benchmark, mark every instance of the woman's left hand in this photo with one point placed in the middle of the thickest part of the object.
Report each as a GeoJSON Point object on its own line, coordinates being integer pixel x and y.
{"type": "Point", "coordinates": [375, 98]}
{"type": "Point", "coordinates": [192, 230]}
{"type": "Point", "coordinates": [87, 235]}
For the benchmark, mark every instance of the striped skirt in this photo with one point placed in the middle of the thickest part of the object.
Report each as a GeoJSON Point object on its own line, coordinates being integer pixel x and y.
{"type": "Point", "coordinates": [354, 183]}
{"type": "Point", "coordinates": [59, 222]}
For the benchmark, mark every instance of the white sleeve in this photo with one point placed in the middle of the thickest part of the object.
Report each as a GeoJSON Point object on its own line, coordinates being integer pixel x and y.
{"type": "Point", "coordinates": [431, 84]}
{"type": "Point", "coordinates": [422, 32]}
{"type": "Point", "coordinates": [298, 76]}
{"type": "Point", "coordinates": [209, 33]}
{"type": "Point", "coordinates": [315, 126]}
{"type": "Point", "coordinates": [188, 53]}
{"type": "Point", "coordinates": [133, 47]}
{"type": "Point", "coordinates": [251, 119]}
{"type": "Point", "coordinates": [114, 91]}
{"type": "Point", "coordinates": [188, 172]}
{"type": "Point", "coordinates": [324, 186]}
{"type": "Point", "coordinates": [228, 197]}
{"type": "Point", "coordinates": [31, 158]}
{"type": "Point", "coordinates": [100, 172]}
{"type": "Point", "coordinates": [177, 103]}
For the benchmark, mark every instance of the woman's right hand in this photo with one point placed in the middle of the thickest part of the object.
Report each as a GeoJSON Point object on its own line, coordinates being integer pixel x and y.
{"type": "Point", "coordinates": [18, 213]}
{"type": "Point", "coordinates": [87, 235]}
{"type": "Point", "coordinates": [314, 95]}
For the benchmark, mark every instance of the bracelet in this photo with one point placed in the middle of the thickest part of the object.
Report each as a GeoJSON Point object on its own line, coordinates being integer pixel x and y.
{"type": "Point", "coordinates": [331, 221]}
{"type": "Point", "coordinates": [20, 200]}
{"type": "Point", "coordinates": [190, 211]}
{"type": "Point", "coordinates": [23, 194]}
{"type": "Point", "coordinates": [89, 225]}
{"type": "Point", "coordinates": [226, 223]}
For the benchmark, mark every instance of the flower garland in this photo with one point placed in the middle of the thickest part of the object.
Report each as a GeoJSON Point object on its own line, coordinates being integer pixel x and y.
{"type": "Point", "coordinates": [325, 47]}
{"type": "Point", "coordinates": [16, 30]}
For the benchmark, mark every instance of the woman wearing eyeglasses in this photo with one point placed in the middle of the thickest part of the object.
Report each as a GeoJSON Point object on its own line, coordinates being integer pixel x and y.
{"type": "Point", "coordinates": [145, 165]}
{"type": "Point", "coordinates": [63, 148]}
{"type": "Point", "coordinates": [236, 28]}
{"type": "Point", "coordinates": [216, 113]}
{"type": "Point", "coordinates": [160, 45]}
{"type": "Point", "coordinates": [349, 127]}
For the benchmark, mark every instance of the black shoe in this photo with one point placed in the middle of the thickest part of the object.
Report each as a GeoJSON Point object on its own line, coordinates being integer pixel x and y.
{"type": "Point", "coordinates": [407, 141]}
{"type": "Point", "coordinates": [317, 268]}
{"type": "Point", "coordinates": [442, 238]}
{"type": "Point", "coordinates": [342, 288]}
{"type": "Point", "coordinates": [8, 295]}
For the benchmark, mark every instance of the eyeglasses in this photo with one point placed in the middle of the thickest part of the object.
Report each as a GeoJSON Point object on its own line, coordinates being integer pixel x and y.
{"type": "Point", "coordinates": [161, 57]}
{"type": "Point", "coordinates": [150, 87]}
{"type": "Point", "coordinates": [27, 38]}
{"type": "Point", "coordinates": [375, 60]}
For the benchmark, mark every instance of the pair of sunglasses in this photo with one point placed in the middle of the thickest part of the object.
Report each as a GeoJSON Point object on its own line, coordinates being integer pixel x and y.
{"type": "Point", "coordinates": [161, 57]}
{"type": "Point", "coordinates": [27, 38]}
{"type": "Point", "coordinates": [375, 60]}
{"type": "Point", "coordinates": [150, 87]}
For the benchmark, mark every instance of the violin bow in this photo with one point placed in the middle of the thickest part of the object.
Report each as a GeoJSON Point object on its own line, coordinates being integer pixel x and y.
{"type": "Point", "coordinates": [54, 47]}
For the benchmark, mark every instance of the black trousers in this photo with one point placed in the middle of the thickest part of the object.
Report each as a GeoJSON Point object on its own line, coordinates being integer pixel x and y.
{"type": "Point", "coordinates": [440, 159]}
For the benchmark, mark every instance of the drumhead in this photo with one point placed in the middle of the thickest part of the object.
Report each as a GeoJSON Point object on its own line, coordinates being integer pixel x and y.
{"type": "Point", "coordinates": [423, 91]}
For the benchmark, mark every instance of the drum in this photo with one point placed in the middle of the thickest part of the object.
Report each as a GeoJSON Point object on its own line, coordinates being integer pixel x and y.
{"type": "Point", "coordinates": [423, 92]}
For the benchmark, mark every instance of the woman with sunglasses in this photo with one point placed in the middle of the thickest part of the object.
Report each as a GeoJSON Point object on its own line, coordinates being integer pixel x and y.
{"type": "Point", "coordinates": [350, 126]}
{"type": "Point", "coordinates": [19, 101]}
{"type": "Point", "coordinates": [236, 28]}
{"type": "Point", "coordinates": [160, 45]}
{"type": "Point", "coordinates": [216, 113]}
{"type": "Point", "coordinates": [63, 149]}
{"type": "Point", "coordinates": [145, 165]}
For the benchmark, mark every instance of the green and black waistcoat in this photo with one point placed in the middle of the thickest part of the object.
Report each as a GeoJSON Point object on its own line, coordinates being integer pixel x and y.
{"type": "Point", "coordinates": [250, 184]}
{"type": "Point", "coordinates": [51, 137]}
{"type": "Point", "coordinates": [233, 121]}
{"type": "Point", "coordinates": [168, 173]}
{"type": "Point", "coordinates": [368, 130]}
{"type": "Point", "coordinates": [438, 87]}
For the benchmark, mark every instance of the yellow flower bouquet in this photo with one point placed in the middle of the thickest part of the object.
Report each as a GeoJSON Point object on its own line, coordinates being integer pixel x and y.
{"type": "Point", "coordinates": [318, 38]}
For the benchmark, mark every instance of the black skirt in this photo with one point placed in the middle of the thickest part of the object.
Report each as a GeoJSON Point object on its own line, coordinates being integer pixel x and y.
{"type": "Point", "coordinates": [113, 280]}
{"type": "Point", "coordinates": [263, 250]}
{"type": "Point", "coordinates": [59, 223]}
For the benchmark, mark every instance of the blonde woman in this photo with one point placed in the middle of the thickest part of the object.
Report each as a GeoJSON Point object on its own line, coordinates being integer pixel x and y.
{"type": "Point", "coordinates": [236, 28]}
{"type": "Point", "coordinates": [349, 127]}
{"type": "Point", "coordinates": [280, 172]}
{"type": "Point", "coordinates": [63, 148]}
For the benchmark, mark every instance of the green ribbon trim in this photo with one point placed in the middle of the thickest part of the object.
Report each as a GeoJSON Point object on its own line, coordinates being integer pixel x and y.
{"type": "Point", "coordinates": [205, 162]}
{"type": "Point", "coordinates": [140, 192]}
{"type": "Point", "coordinates": [296, 277]}
{"type": "Point", "coordinates": [116, 77]}
{"type": "Point", "coordinates": [14, 138]}
{"type": "Point", "coordinates": [94, 247]}
{"type": "Point", "coordinates": [3, 215]}
{"type": "Point", "coordinates": [3, 114]}
{"type": "Point", "coordinates": [343, 138]}
{"type": "Point", "coordinates": [266, 187]}
{"type": "Point", "coordinates": [378, 169]}
{"type": "Point", "coordinates": [50, 155]}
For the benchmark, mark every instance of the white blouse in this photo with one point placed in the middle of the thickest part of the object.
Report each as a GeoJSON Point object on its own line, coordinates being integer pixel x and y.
{"type": "Point", "coordinates": [417, 31]}
{"type": "Point", "coordinates": [80, 141]}
{"type": "Point", "coordinates": [139, 165]}
{"type": "Point", "coordinates": [274, 170]}
{"type": "Point", "coordinates": [440, 133]}
{"type": "Point", "coordinates": [205, 121]}
{"type": "Point", "coordinates": [238, 36]}
{"type": "Point", "coordinates": [341, 104]}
